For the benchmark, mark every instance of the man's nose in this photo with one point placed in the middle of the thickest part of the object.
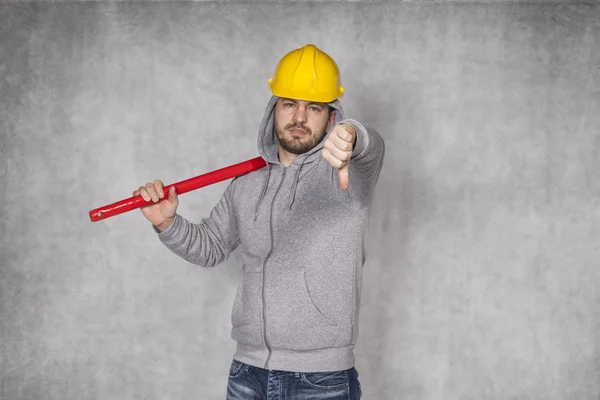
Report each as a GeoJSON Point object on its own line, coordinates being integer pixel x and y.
{"type": "Point", "coordinates": [300, 115]}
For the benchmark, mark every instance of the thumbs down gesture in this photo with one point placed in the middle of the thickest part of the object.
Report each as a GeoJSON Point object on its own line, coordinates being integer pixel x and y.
{"type": "Point", "coordinates": [337, 150]}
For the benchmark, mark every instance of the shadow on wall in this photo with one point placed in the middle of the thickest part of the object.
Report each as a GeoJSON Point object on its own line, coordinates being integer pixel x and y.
{"type": "Point", "coordinates": [395, 111]}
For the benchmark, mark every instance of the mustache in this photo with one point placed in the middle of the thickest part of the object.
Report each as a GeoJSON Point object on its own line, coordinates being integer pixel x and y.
{"type": "Point", "coordinates": [298, 126]}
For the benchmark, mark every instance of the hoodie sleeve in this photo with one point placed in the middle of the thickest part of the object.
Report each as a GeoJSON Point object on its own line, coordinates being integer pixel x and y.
{"type": "Point", "coordinates": [365, 165]}
{"type": "Point", "coordinates": [209, 242]}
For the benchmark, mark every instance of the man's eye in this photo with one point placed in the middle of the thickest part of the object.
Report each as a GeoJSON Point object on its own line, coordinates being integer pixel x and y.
{"type": "Point", "coordinates": [315, 109]}
{"type": "Point", "coordinates": [289, 104]}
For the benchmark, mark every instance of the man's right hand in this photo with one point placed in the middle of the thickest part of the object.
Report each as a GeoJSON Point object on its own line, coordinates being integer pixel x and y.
{"type": "Point", "coordinates": [161, 214]}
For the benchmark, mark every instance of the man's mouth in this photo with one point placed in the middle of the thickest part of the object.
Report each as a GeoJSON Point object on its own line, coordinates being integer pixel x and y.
{"type": "Point", "coordinates": [298, 131]}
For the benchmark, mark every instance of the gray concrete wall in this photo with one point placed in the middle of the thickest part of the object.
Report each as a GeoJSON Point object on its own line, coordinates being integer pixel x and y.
{"type": "Point", "coordinates": [482, 276]}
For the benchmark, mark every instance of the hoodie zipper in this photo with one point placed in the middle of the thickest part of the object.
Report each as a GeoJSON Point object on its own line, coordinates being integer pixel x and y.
{"type": "Point", "coordinates": [264, 303]}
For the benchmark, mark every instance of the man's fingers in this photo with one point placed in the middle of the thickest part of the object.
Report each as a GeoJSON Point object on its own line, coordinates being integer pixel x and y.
{"type": "Point", "coordinates": [338, 162]}
{"type": "Point", "coordinates": [143, 192]}
{"type": "Point", "coordinates": [343, 141]}
{"type": "Point", "coordinates": [152, 192]}
{"type": "Point", "coordinates": [343, 177]}
{"type": "Point", "coordinates": [338, 153]}
{"type": "Point", "coordinates": [333, 161]}
{"type": "Point", "coordinates": [343, 134]}
{"type": "Point", "coordinates": [341, 166]}
{"type": "Point", "coordinates": [159, 188]}
{"type": "Point", "coordinates": [155, 191]}
{"type": "Point", "coordinates": [341, 144]}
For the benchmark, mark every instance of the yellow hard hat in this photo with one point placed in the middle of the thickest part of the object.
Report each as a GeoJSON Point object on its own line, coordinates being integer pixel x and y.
{"type": "Point", "coordinates": [307, 74]}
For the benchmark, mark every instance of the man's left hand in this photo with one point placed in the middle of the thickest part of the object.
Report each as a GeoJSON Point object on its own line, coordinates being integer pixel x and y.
{"type": "Point", "coordinates": [337, 150]}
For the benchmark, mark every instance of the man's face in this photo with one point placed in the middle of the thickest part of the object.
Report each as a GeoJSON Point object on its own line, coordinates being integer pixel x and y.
{"type": "Point", "coordinates": [301, 125]}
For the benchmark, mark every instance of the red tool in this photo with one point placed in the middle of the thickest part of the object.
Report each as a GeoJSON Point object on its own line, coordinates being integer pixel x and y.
{"type": "Point", "coordinates": [180, 187]}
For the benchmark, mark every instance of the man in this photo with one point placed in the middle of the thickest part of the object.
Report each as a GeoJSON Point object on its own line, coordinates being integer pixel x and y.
{"type": "Point", "coordinates": [300, 225]}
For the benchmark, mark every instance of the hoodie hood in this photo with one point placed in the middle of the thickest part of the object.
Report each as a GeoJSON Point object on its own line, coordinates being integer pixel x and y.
{"type": "Point", "coordinates": [268, 147]}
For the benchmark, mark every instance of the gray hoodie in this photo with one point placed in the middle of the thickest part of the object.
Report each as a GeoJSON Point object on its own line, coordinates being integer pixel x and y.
{"type": "Point", "coordinates": [302, 241]}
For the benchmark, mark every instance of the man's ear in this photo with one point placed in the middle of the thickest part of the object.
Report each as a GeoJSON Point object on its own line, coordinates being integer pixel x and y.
{"type": "Point", "coordinates": [331, 119]}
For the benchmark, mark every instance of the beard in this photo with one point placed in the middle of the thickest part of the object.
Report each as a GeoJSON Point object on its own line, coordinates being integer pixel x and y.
{"type": "Point", "coordinates": [302, 144]}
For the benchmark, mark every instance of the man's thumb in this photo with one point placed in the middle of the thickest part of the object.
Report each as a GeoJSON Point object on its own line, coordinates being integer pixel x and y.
{"type": "Point", "coordinates": [343, 177]}
{"type": "Point", "coordinates": [172, 193]}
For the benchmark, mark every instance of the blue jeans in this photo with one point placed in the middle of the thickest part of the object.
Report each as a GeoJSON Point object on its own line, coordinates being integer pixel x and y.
{"type": "Point", "coordinates": [247, 382]}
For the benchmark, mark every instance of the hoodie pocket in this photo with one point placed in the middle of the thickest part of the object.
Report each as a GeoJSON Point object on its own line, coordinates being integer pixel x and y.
{"type": "Point", "coordinates": [246, 314]}
{"type": "Point", "coordinates": [293, 320]}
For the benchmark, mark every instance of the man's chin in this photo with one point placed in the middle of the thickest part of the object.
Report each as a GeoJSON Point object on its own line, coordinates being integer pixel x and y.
{"type": "Point", "coordinates": [297, 150]}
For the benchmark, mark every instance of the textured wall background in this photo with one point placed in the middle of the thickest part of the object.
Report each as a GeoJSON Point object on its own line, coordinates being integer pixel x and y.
{"type": "Point", "coordinates": [482, 277]}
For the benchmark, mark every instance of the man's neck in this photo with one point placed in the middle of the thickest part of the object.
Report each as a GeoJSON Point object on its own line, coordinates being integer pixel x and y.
{"type": "Point", "coordinates": [285, 157]}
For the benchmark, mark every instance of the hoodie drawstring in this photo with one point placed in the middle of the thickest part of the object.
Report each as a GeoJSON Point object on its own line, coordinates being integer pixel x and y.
{"type": "Point", "coordinates": [262, 195]}
{"type": "Point", "coordinates": [292, 195]}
